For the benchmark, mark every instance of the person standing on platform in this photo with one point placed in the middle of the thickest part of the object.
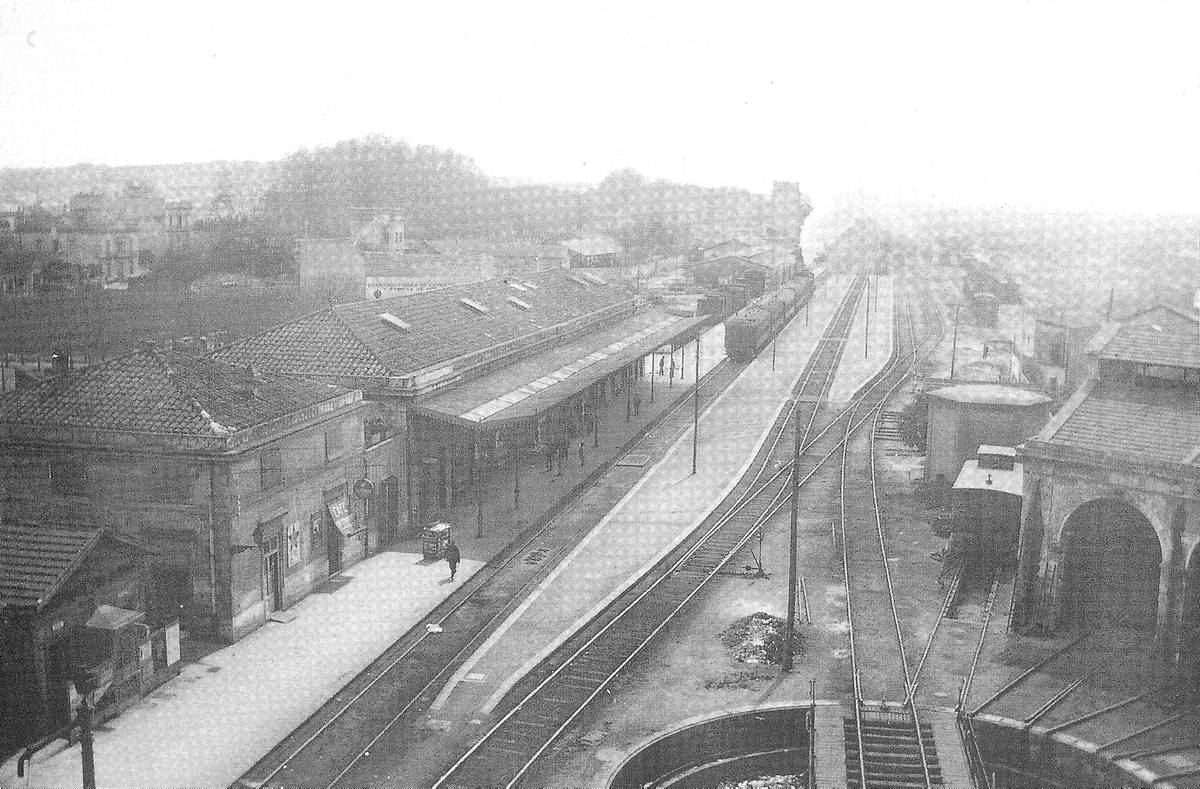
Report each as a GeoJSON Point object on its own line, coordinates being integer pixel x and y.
{"type": "Point", "coordinates": [453, 557]}
{"type": "Point", "coordinates": [581, 453]}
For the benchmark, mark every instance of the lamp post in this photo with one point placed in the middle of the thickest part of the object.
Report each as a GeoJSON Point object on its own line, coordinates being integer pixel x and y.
{"type": "Point", "coordinates": [516, 450]}
{"type": "Point", "coordinates": [476, 463]}
{"type": "Point", "coordinates": [653, 375]}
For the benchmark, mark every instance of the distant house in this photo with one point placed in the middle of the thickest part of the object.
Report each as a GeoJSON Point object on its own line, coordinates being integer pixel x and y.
{"type": "Point", "coordinates": [598, 252]}
{"type": "Point", "coordinates": [102, 239]}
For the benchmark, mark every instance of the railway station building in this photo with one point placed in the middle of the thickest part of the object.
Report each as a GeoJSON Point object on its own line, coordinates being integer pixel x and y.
{"type": "Point", "coordinates": [238, 481]}
{"type": "Point", "coordinates": [475, 382]}
{"type": "Point", "coordinates": [1110, 527]}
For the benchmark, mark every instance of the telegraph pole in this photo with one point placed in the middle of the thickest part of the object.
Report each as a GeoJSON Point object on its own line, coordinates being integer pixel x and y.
{"type": "Point", "coordinates": [790, 636]}
{"type": "Point", "coordinates": [954, 342]}
{"type": "Point", "coordinates": [696, 408]}
{"type": "Point", "coordinates": [867, 323]}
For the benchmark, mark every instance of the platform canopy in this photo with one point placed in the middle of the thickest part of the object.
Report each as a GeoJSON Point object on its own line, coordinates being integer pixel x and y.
{"type": "Point", "coordinates": [542, 381]}
{"type": "Point", "coordinates": [972, 477]}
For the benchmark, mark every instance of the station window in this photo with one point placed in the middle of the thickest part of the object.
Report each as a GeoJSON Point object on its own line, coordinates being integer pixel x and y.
{"type": "Point", "coordinates": [374, 431]}
{"type": "Point", "coordinates": [271, 468]}
{"type": "Point", "coordinates": [335, 444]}
{"type": "Point", "coordinates": [293, 544]}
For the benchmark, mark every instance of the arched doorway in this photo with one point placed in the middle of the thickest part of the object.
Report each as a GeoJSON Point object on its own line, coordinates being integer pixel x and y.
{"type": "Point", "coordinates": [1189, 642]}
{"type": "Point", "coordinates": [1112, 557]}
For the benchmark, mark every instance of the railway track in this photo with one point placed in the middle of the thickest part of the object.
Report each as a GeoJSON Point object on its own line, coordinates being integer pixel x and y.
{"type": "Point", "coordinates": [547, 701]}
{"type": "Point", "coordinates": [401, 682]}
{"type": "Point", "coordinates": [884, 747]}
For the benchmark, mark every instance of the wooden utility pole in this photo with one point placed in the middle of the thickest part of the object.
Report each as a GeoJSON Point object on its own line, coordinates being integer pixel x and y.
{"type": "Point", "coordinates": [954, 342]}
{"type": "Point", "coordinates": [867, 322]}
{"type": "Point", "coordinates": [793, 532]}
{"type": "Point", "coordinates": [696, 408]}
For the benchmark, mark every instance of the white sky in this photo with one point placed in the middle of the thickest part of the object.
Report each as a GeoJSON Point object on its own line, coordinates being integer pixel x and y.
{"type": "Point", "coordinates": [1066, 105]}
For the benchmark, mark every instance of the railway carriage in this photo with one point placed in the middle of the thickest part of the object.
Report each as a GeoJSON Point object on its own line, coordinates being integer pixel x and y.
{"type": "Point", "coordinates": [748, 331]}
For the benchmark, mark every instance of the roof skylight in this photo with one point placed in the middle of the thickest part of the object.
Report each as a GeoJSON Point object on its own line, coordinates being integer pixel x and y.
{"type": "Point", "coordinates": [466, 302]}
{"type": "Point", "coordinates": [392, 320]}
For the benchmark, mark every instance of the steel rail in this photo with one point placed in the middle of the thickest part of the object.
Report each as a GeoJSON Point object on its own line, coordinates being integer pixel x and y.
{"type": "Point", "coordinates": [751, 494]}
{"type": "Point", "coordinates": [1052, 702]}
{"type": "Point", "coordinates": [515, 557]}
{"type": "Point", "coordinates": [910, 683]}
{"type": "Point", "coordinates": [1032, 670]}
{"type": "Point", "coordinates": [1111, 708]}
{"type": "Point", "coordinates": [965, 693]}
{"type": "Point", "coordinates": [951, 592]}
{"type": "Point", "coordinates": [777, 502]}
{"type": "Point", "coordinates": [882, 542]}
{"type": "Point", "coordinates": [856, 684]}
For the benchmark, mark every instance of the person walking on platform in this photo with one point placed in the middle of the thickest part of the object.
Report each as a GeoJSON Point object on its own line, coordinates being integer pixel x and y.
{"type": "Point", "coordinates": [581, 453]}
{"type": "Point", "coordinates": [453, 557]}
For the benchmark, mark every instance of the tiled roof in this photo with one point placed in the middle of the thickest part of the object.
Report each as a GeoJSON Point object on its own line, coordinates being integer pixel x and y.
{"type": "Point", "coordinates": [352, 339]}
{"type": "Point", "coordinates": [317, 344]}
{"type": "Point", "coordinates": [162, 394]}
{"type": "Point", "coordinates": [35, 560]}
{"type": "Point", "coordinates": [1144, 426]}
{"type": "Point", "coordinates": [1160, 336]}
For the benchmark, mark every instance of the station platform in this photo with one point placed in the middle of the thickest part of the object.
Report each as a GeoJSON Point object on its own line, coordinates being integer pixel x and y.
{"type": "Point", "coordinates": [870, 342]}
{"type": "Point", "coordinates": [649, 521]}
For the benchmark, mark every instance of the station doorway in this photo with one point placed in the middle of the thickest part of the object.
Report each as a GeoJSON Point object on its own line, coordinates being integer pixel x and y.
{"type": "Point", "coordinates": [1189, 643]}
{"type": "Point", "coordinates": [1112, 557]}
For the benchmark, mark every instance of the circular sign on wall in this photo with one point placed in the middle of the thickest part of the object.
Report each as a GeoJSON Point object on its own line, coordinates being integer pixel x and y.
{"type": "Point", "coordinates": [363, 488]}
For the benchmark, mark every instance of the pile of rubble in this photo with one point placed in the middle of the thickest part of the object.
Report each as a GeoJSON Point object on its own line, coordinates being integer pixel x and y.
{"type": "Point", "coordinates": [758, 638]}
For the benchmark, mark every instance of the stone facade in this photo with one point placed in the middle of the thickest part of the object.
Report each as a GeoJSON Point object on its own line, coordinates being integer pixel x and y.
{"type": "Point", "coordinates": [244, 484]}
{"type": "Point", "coordinates": [1110, 525]}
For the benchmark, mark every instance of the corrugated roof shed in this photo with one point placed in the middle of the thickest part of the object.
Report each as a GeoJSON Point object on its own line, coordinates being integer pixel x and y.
{"type": "Point", "coordinates": [353, 340]}
{"type": "Point", "coordinates": [163, 394]}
